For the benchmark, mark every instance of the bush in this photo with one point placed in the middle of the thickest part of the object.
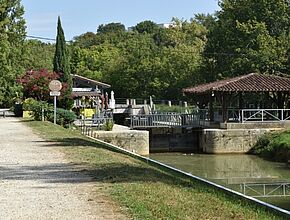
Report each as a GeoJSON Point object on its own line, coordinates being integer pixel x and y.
{"type": "Point", "coordinates": [275, 146]}
{"type": "Point", "coordinates": [28, 104]}
{"type": "Point", "coordinates": [63, 117]}
{"type": "Point", "coordinates": [108, 125]}
{"type": "Point", "coordinates": [41, 109]}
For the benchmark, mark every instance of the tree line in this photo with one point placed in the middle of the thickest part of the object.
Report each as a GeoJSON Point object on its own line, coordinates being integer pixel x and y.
{"type": "Point", "coordinates": [243, 37]}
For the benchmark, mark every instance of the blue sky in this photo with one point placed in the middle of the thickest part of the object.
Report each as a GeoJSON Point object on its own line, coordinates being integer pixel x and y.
{"type": "Point", "coordinates": [79, 17]}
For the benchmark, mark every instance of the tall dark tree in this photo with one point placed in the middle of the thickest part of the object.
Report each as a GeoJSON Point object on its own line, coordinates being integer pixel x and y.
{"type": "Point", "coordinates": [12, 36]}
{"type": "Point", "coordinates": [61, 65]}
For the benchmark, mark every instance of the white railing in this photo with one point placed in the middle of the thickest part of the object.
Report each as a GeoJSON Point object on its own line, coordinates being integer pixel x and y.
{"type": "Point", "coordinates": [264, 115]}
{"type": "Point", "coordinates": [164, 120]}
{"type": "Point", "coordinates": [266, 189]}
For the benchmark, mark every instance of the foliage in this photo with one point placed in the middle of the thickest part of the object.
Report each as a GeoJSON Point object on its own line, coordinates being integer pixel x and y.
{"type": "Point", "coordinates": [35, 84]}
{"type": "Point", "coordinates": [108, 125]}
{"type": "Point", "coordinates": [12, 35]}
{"type": "Point", "coordinates": [61, 65]}
{"type": "Point", "coordinates": [38, 55]}
{"type": "Point", "coordinates": [148, 27]}
{"type": "Point", "coordinates": [249, 36]}
{"type": "Point", "coordinates": [43, 110]}
{"type": "Point", "coordinates": [40, 110]}
{"type": "Point", "coordinates": [85, 40]}
{"type": "Point", "coordinates": [145, 191]}
{"type": "Point", "coordinates": [28, 103]}
{"type": "Point", "coordinates": [110, 28]}
{"type": "Point", "coordinates": [274, 146]}
{"type": "Point", "coordinates": [63, 117]}
{"type": "Point", "coordinates": [173, 108]}
{"type": "Point", "coordinates": [137, 66]}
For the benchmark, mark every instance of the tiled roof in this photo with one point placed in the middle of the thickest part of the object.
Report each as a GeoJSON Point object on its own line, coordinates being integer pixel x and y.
{"type": "Point", "coordinates": [90, 81]}
{"type": "Point", "coordinates": [252, 82]}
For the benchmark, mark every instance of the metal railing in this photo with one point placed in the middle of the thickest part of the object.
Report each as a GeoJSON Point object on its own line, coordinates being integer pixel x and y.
{"type": "Point", "coordinates": [264, 115]}
{"type": "Point", "coordinates": [164, 120]}
{"type": "Point", "coordinates": [266, 189]}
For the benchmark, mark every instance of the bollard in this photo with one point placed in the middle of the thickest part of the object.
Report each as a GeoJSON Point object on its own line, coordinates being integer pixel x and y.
{"type": "Point", "coordinates": [169, 103]}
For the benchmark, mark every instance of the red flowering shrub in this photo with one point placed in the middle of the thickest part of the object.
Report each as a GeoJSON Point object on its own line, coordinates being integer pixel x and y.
{"type": "Point", "coordinates": [35, 84]}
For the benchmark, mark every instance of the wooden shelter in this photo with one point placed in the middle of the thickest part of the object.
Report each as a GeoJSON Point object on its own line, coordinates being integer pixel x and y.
{"type": "Point", "coordinates": [88, 94]}
{"type": "Point", "coordinates": [276, 88]}
{"type": "Point", "coordinates": [83, 86]}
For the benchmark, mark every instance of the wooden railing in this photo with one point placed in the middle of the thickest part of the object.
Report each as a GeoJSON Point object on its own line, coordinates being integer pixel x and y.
{"type": "Point", "coordinates": [164, 120]}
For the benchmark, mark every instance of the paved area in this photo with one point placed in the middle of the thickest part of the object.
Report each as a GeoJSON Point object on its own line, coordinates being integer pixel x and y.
{"type": "Point", "coordinates": [36, 182]}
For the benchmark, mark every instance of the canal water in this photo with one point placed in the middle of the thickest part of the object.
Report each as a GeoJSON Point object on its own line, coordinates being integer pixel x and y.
{"type": "Point", "coordinates": [232, 171]}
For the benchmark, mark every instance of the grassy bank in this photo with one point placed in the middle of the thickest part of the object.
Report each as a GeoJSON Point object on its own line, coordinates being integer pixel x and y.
{"type": "Point", "coordinates": [145, 191]}
{"type": "Point", "coordinates": [274, 146]}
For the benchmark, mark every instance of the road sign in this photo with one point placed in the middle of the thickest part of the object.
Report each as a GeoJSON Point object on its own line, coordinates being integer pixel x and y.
{"type": "Point", "coordinates": [54, 93]}
{"type": "Point", "coordinates": [55, 85]}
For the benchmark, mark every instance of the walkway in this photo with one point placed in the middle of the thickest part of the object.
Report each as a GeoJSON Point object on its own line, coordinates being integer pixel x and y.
{"type": "Point", "coordinates": [36, 182]}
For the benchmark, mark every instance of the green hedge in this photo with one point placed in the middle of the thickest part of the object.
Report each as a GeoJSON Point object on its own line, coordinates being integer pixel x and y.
{"type": "Point", "coordinates": [41, 109]}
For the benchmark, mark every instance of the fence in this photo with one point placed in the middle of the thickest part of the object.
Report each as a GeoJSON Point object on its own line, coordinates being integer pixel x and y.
{"type": "Point", "coordinates": [164, 120]}
{"type": "Point", "coordinates": [266, 189]}
{"type": "Point", "coordinates": [263, 115]}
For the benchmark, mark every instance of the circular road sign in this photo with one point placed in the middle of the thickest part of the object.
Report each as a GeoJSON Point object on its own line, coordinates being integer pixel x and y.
{"type": "Point", "coordinates": [55, 86]}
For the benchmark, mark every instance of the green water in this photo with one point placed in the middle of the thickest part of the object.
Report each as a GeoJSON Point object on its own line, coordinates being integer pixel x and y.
{"type": "Point", "coordinates": [231, 170]}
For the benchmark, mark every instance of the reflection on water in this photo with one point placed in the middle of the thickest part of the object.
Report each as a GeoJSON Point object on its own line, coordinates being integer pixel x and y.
{"type": "Point", "coordinates": [231, 170]}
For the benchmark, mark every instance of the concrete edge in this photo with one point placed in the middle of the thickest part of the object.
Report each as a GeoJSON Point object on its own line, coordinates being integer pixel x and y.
{"type": "Point", "coordinates": [189, 175]}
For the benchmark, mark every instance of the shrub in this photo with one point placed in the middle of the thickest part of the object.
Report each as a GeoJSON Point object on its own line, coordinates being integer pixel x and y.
{"type": "Point", "coordinates": [28, 104]}
{"type": "Point", "coordinates": [275, 146]}
{"type": "Point", "coordinates": [108, 125]}
{"type": "Point", "coordinates": [63, 117]}
{"type": "Point", "coordinates": [40, 110]}
{"type": "Point", "coordinates": [44, 110]}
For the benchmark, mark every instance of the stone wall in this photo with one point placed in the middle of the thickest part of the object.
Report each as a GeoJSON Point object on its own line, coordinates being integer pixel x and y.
{"type": "Point", "coordinates": [131, 140]}
{"type": "Point", "coordinates": [230, 140]}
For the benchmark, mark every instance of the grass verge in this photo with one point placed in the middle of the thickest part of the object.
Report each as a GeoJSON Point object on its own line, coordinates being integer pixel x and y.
{"type": "Point", "coordinates": [145, 191]}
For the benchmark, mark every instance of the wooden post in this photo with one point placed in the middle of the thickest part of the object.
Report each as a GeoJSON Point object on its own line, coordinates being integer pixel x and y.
{"type": "Point", "coordinates": [210, 108]}
{"type": "Point", "coordinates": [224, 107]}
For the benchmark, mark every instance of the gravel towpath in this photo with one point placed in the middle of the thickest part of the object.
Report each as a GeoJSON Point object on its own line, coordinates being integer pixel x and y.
{"type": "Point", "coordinates": [36, 181]}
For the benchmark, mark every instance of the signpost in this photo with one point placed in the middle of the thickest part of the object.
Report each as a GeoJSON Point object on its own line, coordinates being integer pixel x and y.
{"type": "Point", "coordinates": [55, 87]}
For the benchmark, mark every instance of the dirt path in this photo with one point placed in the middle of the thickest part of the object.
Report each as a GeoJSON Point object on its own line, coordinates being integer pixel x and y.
{"type": "Point", "coordinates": [36, 182]}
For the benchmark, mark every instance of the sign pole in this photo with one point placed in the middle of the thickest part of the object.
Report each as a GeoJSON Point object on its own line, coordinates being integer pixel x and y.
{"type": "Point", "coordinates": [54, 117]}
{"type": "Point", "coordinates": [55, 87]}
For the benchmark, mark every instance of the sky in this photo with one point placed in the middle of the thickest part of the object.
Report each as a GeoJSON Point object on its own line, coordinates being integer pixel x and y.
{"type": "Point", "coordinates": [79, 17]}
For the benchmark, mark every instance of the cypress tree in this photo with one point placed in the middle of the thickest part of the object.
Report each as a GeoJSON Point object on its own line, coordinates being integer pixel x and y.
{"type": "Point", "coordinates": [61, 65]}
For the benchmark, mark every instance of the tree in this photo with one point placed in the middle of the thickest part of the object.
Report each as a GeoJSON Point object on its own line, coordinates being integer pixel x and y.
{"type": "Point", "coordinates": [85, 40]}
{"type": "Point", "coordinates": [148, 27]}
{"type": "Point", "coordinates": [61, 65]}
{"type": "Point", "coordinates": [12, 35]}
{"type": "Point", "coordinates": [39, 55]}
{"type": "Point", "coordinates": [111, 28]}
{"type": "Point", "coordinates": [249, 36]}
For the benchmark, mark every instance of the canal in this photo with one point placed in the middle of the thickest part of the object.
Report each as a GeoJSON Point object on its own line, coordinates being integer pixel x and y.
{"type": "Point", "coordinates": [232, 171]}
